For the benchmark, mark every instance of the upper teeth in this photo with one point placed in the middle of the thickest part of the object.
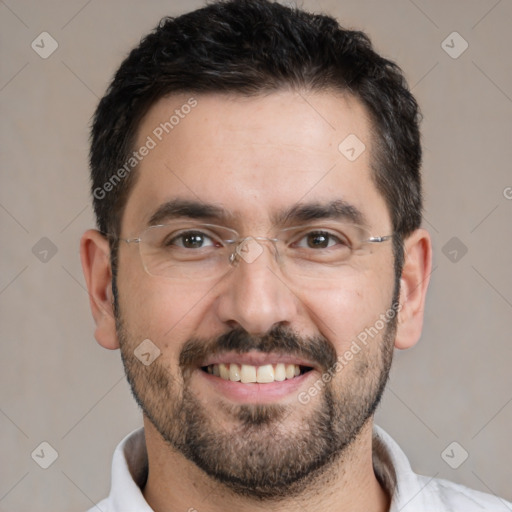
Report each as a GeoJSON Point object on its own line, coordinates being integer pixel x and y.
{"type": "Point", "coordinates": [249, 373]}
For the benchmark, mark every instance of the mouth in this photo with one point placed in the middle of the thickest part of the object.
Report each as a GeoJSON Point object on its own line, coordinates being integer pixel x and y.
{"type": "Point", "coordinates": [261, 374]}
{"type": "Point", "coordinates": [255, 377]}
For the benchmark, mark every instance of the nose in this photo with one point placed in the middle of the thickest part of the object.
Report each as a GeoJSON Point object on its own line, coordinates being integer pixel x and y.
{"type": "Point", "coordinates": [255, 295]}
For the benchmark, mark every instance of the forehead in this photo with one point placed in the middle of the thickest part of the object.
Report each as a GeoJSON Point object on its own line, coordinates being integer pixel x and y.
{"type": "Point", "coordinates": [254, 156]}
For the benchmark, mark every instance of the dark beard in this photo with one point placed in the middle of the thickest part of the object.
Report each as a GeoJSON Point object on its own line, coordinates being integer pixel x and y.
{"type": "Point", "coordinates": [261, 457]}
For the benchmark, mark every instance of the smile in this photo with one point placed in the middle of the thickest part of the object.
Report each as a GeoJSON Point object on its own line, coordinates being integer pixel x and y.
{"type": "Point", "coordinates": [263, 374]}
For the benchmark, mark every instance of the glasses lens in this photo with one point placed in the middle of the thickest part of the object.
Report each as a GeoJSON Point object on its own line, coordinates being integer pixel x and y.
{"type": "Point", "coordinates": [325, 251]}
{"type": "Point", "coordinates": [184, 250]}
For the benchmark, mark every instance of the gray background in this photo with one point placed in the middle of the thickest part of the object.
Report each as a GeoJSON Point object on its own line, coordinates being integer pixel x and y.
{"type": "Point", "coordinates": [59, 386]}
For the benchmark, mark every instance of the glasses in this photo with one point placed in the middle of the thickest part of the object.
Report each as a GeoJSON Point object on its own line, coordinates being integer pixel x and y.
{"type": "Point", "coordinates": [188, 250]}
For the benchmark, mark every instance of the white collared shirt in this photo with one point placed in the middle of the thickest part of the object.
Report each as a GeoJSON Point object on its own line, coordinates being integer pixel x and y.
{"type": "Point", "coordinates": [410, 492]}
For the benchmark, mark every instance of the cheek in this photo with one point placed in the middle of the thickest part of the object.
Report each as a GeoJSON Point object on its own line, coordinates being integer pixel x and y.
{"type": "Point", "coordinates": [157, 309]}
{"type": "Point", "coordinates": [343, 312]}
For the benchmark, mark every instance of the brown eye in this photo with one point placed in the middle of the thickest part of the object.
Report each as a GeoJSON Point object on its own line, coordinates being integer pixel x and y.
{"type": "Point", "coordinates": [319, 240]}
{"type": "Point", "coordinates": [192, 240]}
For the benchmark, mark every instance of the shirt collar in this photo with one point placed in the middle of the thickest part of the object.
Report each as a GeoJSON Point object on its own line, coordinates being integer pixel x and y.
{"type": "Point", "coordinates": [129, 474]}
{"type": "Point", "coordinates": [408, 491]}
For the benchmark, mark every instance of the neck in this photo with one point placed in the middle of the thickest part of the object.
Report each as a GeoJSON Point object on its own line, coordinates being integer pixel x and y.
{"type": "Point", "coordinates": [177, 484]}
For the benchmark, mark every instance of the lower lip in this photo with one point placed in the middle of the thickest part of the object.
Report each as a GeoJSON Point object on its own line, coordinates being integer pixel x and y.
{"type": "Point", "coordinates": [255, 392]}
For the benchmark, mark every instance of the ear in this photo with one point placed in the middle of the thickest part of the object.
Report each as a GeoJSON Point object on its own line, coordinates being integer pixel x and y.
{"type": "Point", "coordinates": [95, 256]}
{"type": "Point", "coordinates": [413, 288]}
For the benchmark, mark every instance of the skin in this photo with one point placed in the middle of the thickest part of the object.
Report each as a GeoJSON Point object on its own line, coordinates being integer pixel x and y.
{"type": "Point", "coordinates": [253, 157]}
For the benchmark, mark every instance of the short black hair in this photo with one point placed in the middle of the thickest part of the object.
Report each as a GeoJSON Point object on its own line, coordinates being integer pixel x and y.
{"type": "Point", "coordinates": [252, 47]}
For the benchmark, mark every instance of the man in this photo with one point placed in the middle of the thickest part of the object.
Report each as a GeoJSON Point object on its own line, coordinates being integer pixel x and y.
{"type": "Point", "coordinates": [255, 174]}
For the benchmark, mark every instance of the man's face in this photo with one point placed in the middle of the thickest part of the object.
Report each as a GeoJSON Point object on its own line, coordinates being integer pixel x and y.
{"type": "Point", "coordinates": [255, 159]}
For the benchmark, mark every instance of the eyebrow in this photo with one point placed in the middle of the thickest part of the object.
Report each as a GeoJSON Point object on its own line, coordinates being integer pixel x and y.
{"type": "Point", "coordinates": [177, 208]}
{"type": "Point", "coordinates": [338, 209]}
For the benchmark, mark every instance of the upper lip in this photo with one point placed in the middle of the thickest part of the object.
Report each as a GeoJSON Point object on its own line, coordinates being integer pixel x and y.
{"type": "Point", "coordinates": [255, 358]}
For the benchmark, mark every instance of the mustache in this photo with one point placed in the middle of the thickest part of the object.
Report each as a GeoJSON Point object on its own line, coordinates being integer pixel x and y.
{"type": "Point", "coordinates": [279, 340]}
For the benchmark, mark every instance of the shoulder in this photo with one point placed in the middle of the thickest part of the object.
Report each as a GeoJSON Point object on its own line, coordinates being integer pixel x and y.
{"type": "Point", "coordinates": [103, 505]}
{"type": "Point", "coordinates": [411, 492]}
{"type": "Point", "coordinates": [456, 497]}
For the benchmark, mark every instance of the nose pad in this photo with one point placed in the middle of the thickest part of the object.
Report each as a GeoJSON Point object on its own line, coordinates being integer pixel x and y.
{"type": "Point", "coordinates": [250, 249]}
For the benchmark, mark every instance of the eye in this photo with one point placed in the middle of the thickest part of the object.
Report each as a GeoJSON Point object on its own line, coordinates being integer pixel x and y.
{"type": "Point", "coordinates": [191, 240]}
{"type": "Point", "coordinates": [319, 240]}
